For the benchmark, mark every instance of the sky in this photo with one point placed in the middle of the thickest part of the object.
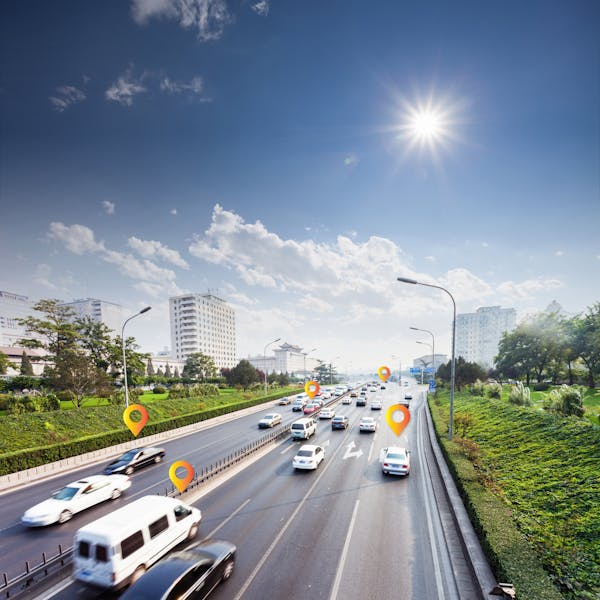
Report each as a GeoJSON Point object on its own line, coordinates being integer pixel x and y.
{"type": "Point", "coordinates": [296, 157]}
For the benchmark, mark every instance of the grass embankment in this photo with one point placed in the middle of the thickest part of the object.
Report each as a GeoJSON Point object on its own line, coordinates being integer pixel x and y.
{"type": "Point", "coordinates": [531, 483]}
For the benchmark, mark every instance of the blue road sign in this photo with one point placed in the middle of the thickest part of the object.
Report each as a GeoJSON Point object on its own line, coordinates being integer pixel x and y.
{"type": "Point", "coordinates": [432, 384]}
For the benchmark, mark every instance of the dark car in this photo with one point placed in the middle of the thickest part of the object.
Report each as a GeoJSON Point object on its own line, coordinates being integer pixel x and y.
{"type": "Point", "coordinates": [340, 422]}
{"type": "Point", "coordinates": [134, 459]}
{"type": "Point", "coordinates": [192, 573]}
{"type": "Point", "coordinates": [361, 401]}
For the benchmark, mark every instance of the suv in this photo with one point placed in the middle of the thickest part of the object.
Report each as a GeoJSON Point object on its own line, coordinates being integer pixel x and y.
{"type": "Point", "coordinates": [362, 399]}
{"type": "Point", "coordinates": [303, 428]}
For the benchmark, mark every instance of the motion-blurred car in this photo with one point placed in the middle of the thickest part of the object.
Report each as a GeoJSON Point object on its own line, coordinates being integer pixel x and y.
{"type": "Point", "coordinates": [134, 459]}
{"type": "Point", "coordinates": [308, 457]}
{"type": "Point", "coordinates": [269, 420]}
{"type": "Point", "coordinates": [340, 422]}
{"type": "Point", "coordinates": [75, 497]}
{"type": "Point", "coordinates": [362, 399]}
{"type": "Point", "coordinates": [376, 404]}
{"type": "Point", "coordinates": [408, 397]}
{"type": "Point", "coordinates": [347, 399]}
{"type": "Point", "coordinates": [327, 413]}
{"type": "Point", "coordinates": [284, 401]}
{"type": "Point", "coordinates": [367, 424]}
{"type": "Point", "coordinates": [190, 573]}
{"type": "Point", "coordinates": [395, 461]}
{"type": "Point", "coordinates": [311, 408]}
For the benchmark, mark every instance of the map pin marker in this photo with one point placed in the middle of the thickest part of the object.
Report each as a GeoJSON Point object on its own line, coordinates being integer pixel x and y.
{"type": "Point", "coordinates": [135, 426]}
{"type": "Point", "coordinates": [311, 388]}
{"type": "Point", "coordinates": [181, 483]}
{"type": "Point", "coordinates": [397, 426]}
{"type": "Point", "coordinates": [384, 373]}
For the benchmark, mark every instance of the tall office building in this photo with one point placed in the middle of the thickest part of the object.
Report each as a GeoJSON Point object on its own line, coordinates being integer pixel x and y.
{"type": "Point", "coordinates": [99, 311]}
{"type": "Point", "coordinates": [203, 323]}
{"type": "Point", "coordinates": [478, 333]}
{"type": "Point", "coordinates": [13, 307]}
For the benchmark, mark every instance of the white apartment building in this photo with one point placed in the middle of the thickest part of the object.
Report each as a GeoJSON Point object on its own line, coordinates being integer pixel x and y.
{"type": "Point", "coordinates": [288, 358]}
{"type": "Point", "coordinates": [13, 307]}
{"type": "Point", "coordinates": [203, 323]}
{"type": "Point", "coordinates": [478, 334]}
{"type": "Point", "coordinates": [99, 311]}
{"type": "Point", "coordinates": [427, 361]}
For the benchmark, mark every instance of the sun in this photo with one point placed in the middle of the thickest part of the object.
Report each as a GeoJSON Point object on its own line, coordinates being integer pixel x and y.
{"type": "Point", "coordinates": [426, 125]}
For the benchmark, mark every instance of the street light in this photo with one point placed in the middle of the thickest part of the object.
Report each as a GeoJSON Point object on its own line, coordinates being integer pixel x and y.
{"type": "Point", "coordinates": [432, 344]}
{"type": "Point", "coordinates": [123, 345]}
{"type": "Point", "coordinates": [305, 354]}
{"type": "Point", "coordinates": [439, 287]}
{"type": "Point", "coordinates": [265, 361]}
{"type": "Point", "coordinates": [431, 348]}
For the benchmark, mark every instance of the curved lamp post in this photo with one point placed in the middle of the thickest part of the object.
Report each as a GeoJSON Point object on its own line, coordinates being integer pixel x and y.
{"type": "Point", "coordinates": [432, 344]}
{"type": "Point", "coordinates": [431, 348]}
{"type": "Point", "coordinates": [439, 287]}
{"type": "Point", "coordinates": [265, 361]}
{"type": "Point", "coordinates": [144, 310]}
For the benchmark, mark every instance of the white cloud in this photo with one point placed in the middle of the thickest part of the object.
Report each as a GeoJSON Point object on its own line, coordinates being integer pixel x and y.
{"type": "Point", "coordinates": [173, 211]}
{"type": "Point", "coordinates": [66, 96]}
{"type": "Point", "coordinates": [351, 160]}
{"type": "Point", "coordinates": [261, 8]}
{"type": "Point", "coordinates": [195, 87]}
{"type": "Point", "coordinates": [525, 290]}
{"type": "Point", "coordinates": [430, 258]}
{"type": "Point", "coordinates": [558, 253]}
{"type": "Point", "coordinates": [78, 239]}
{"type": "Point", "coordinates": [485, 244]}
{"type": "Point", "coordinates": [209, 17]}
{"type": "Point", "coordinates": [109, 207]}
{"type": "Point", "coordinates": [125, 89]}
{"type": "Point", "coordinates": [313, 303]}
{"type": "Point", "coordinates": [153, 249]}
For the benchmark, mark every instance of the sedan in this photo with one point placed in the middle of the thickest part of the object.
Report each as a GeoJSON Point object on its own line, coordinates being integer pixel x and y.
{"type": "Point", "coordinates": [347, 399]}
{"type": "Point", "coordinates": [408, 396]}
{"type": "Point", "coordinates": [340, 422]}
{"type": "Point", "coordinates": [75, 497]}
{"type": "Point", "coordinates": [134, 459]}
{"type": "Point", "coordinates": [376, 404]}
{"type": "Point", "coordinates": [191, 573]}
{"type": "Point", "coordinates": [308, 457]}
{"type": "Point", "coordinates": [395, 460]}
{"type": "Point", "coordinates": [367, 424]}
{"type": "Point", "coordinates": [311, 408]}
{"type": "Point", "coordinates": [269, 420]}
{"type": "Point", "coordinates": [327, 413]}
{"type": "Point", "coordinates": [284, 401]}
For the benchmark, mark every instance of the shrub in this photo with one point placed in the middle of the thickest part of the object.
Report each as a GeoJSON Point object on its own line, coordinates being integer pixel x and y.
{"type": "Point", "coordinates": [4, 401]}
{"type": "Point", "coordinates": [159, 389]}
{"type": "Point", "coordinates": [493, 389]}
{"type": "Point", "coordinates": [17, 405]}
{"type": "Point", "coordinates": [520, 395]}
{"type": "Point", "coordinates": [477, 388]}
{"type": "Point", "coordinates": [541, 386]}
{"type": "Point", "coordinates": [565, 400]}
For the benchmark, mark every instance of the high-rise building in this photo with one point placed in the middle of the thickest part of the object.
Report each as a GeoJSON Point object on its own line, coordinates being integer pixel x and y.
{"type": "Point", "coordinates": [99, 311]}
{"type": "Point", "coordinates": [478, 333]}
{"type": "Point", "coordinates": [13, 307]}
{"type": "Point", "coordinates": [203, 323]}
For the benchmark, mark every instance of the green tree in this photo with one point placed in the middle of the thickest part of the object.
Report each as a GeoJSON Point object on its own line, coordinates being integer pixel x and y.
{"type": "Point", "coordinates": [96, 339]}
{"type": "Point", "coordinates": [176, 373]}
{"type": "Point", "coordinates": [465, 373]}
{"type": "Point", "coordinates": [26, 366]}
{"type": "Point", "coordinates": [4, 363]}
{"type": "Point", "coordinates": [244, 374]}
{"type": "Point", "coordinates": [586, 341]}
{"type": "Point", "coordinates": [168, 371]}
{"type": "Point", "coordinates": [149, 368]}
{"type": "Point", "coordinates": [199, 367]}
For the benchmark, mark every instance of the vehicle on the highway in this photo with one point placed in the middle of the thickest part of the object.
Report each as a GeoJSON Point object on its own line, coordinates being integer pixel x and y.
{"type": "Point", "coordinates": [376, 404]}
{"type": "Point", "coordinates": [74, 498]}
{"type": "Point", "coordinates": [395, 460]}
{"type": "Point", "coordinates": [270, 420]}
{"type": "Point", "coordinates": [134, 459]}
{"type": "Point", "coordinates": [298, 404]}
{"type": "Point", "coordinates": [308, 457]}
{"type": "Point", "coordinates": [367, 424]}
{"type": "Point", "coordinates": [117, 549]}
{"type": "Point", "coordinates": [362, 399]}
{"type": "Point", "coordinates": [408, 396]}
{"type": "Point", "coordinates": [353, 394]}
{"type": "Point", "coordinates": [327, 413]}
{"type": "Point", "coordinates": [190, 573]}
{"type": "Point", "coordinates": [303, 428]}
{"type": "Point", "coordinates": [311, 408]}
{"type": "Point", "coordinates": [340, 422]}
{"type": "Point", "coordinates": [382, 386]}
{"type": "Point", "coordinates": [339, 390]}
{"type": "Point", "coordinates": [347, 399]}
{"type": "Point", "coordinates": [284, 401]}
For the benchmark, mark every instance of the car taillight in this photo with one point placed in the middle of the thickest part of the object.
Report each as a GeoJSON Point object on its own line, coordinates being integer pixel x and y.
{"type": "Point", "coordinates": [386, 465]}
{"type": "Point", "coordinates": [405, 466]}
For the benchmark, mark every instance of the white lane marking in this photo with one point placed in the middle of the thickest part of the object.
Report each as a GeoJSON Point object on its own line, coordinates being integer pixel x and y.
{"type": "Point", "coordinates": [342, 561]}
{"type": "Point", "coordinates": [286, 449]}
{"type": "Point", "coordinates": [371, 450]}
{"type": "Point", "coordinates": [350, 453]}
{"type": "Point", "coordinates": [59, 587]}
{"type": "Point", "coordinates": [235, 512]}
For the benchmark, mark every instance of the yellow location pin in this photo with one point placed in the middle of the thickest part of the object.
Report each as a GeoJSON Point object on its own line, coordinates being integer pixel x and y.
{"type": "Point", "coordinates": [135, 426]}
{"type": "Point", "coordinates": [311, 388]}
{"type": "Point", "coordinates": [397, 426]}
{"type": "Point", "coordinates": [384, 373]}
{"type": "Point", "coordinates": [181, 482]}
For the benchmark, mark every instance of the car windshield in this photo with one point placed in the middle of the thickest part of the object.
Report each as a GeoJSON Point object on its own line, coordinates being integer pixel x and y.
{"type": "Point", "coordinates": [65, 494]}
{"type": "Point", "coordinates": [128, 455]}
{"type": "Point", "coordinates": [395, 455]}
{"type": "Point", "coordinates": [305, 452]}
{"type": "Point", "coordinates": [269, 417]}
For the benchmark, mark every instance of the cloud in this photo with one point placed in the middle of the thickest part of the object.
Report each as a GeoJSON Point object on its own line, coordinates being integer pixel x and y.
{"type": "Point", "coordinates": [109, 207]}
{"type": "Point", "coordinates": [351, 160]}
{"type": "Point", "coordinates": [525, 290]}
{"type": "Point", "coordinates": [153, 249]}
{"type": "Point", "coordinates": [261, 8]}
{"type": "Point", "coordinates": [66, 96]}
{"type": "Point", "coordinates": [173, 212]}
{"type": "Point", "coordinates": [195, 87]}
{"type": "Point", "coordinates": [485, 244]}
{"type": "Point", "coordinates": [559, 253]}
{"type": "Point", "coordinates": [125, 89]}
{"type": "Point", "coordinates": [430, 258]}
{"type": "Point", "coordinates": [209, 17]}
{"type": "Point", "coordinates": [78, 239]}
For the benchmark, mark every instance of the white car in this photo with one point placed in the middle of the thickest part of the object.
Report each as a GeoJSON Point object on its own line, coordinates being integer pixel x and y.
{"type": "Point", "coordinates": [270, 420]}
{"type": "Point", "coordinates": [347, 399]}
{"type": "Point", "coordinates": [308, 457]}
{"type": "Point", "coordinates": [395, 460]}
{"type": "Point", "coordinates": [376, 404]}
{"type": "Point", "coordinates": [367, 424]}
{"type": "Point", "coordinates": [75, 497]}
{"type": "Point", "coordinates": [327, 413]}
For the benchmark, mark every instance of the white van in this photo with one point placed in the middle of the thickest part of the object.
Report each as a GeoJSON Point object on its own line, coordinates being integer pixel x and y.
{"type": "Point", "coordinates": [115, 550]}
{"type": "Point", "coordinates": [304, 428]}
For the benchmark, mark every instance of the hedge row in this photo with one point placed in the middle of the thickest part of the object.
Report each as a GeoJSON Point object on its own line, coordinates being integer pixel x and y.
{"type": "Point", "coordinates": [11, 462]}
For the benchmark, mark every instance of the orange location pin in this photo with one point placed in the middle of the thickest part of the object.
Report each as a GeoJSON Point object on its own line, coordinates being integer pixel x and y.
{"type": "Point", "coordinates": [397, 426]}
{"type": "Point", "coordinates": [135, 426]}
{"type": "Point", "coordinates": [181, 483]}
{"type": "Point", "coordinates": [311, 388]}
{"type": "Point", "coordinates": [384, 373]}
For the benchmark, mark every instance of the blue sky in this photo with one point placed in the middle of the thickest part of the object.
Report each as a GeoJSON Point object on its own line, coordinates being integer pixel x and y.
{"type": "Point", "coordinates": [268, 150]}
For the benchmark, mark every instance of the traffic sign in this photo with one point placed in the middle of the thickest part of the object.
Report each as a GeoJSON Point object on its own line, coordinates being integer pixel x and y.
{"type": "Point", "coordinates": [432, 384]}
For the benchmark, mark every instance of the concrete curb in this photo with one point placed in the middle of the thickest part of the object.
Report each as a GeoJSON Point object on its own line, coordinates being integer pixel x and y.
{"type": "Point", "coordinates": [473, 551]}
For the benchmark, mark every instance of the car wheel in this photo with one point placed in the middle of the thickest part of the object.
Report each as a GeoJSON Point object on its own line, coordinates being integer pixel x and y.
{"type": "Point", "coordinates": [115, 494]}
{"type": "Point", "coordinates": [128, 470]}
{"type": "Point", "coordinates": [157, 459]}
{"type": "Point", "coordinates": [228, 570]}
{"type": "Point", "coordinates": [65, 516]}
{"type": "Point", "coordinates": [193, 531]}
{"type": "Point", "coordinates": [137, 574]}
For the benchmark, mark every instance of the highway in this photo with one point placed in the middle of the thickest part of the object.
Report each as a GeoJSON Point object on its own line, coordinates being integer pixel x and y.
{"type": "Point", "coordinates": [343, 531]}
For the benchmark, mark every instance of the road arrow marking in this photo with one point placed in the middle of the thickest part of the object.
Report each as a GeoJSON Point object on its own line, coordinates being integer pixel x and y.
{"type": "Point", "coordinates": [350, 454]}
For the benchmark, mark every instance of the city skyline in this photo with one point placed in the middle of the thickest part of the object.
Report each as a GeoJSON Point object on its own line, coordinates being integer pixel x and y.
{"type": "Point", "coordinates": [299, 169]}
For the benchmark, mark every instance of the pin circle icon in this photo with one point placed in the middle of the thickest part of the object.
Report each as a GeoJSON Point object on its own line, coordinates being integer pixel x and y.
{"type": "Point", "coordinates": [181, 483]}
{"type": "Point", "coordinates": [384, 373]}
{"type": "Point", "coordinates": [135, 426]}
{"type": "Point", "coordinates": [311, 388]}
{"type": "Point", "coordinates": [397, 426]}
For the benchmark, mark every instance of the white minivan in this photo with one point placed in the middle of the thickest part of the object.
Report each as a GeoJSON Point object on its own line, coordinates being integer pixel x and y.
{"type": "Point", "coordinates": [115, 550]}
{"type": "Point", "coordinates": [303, 428]}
